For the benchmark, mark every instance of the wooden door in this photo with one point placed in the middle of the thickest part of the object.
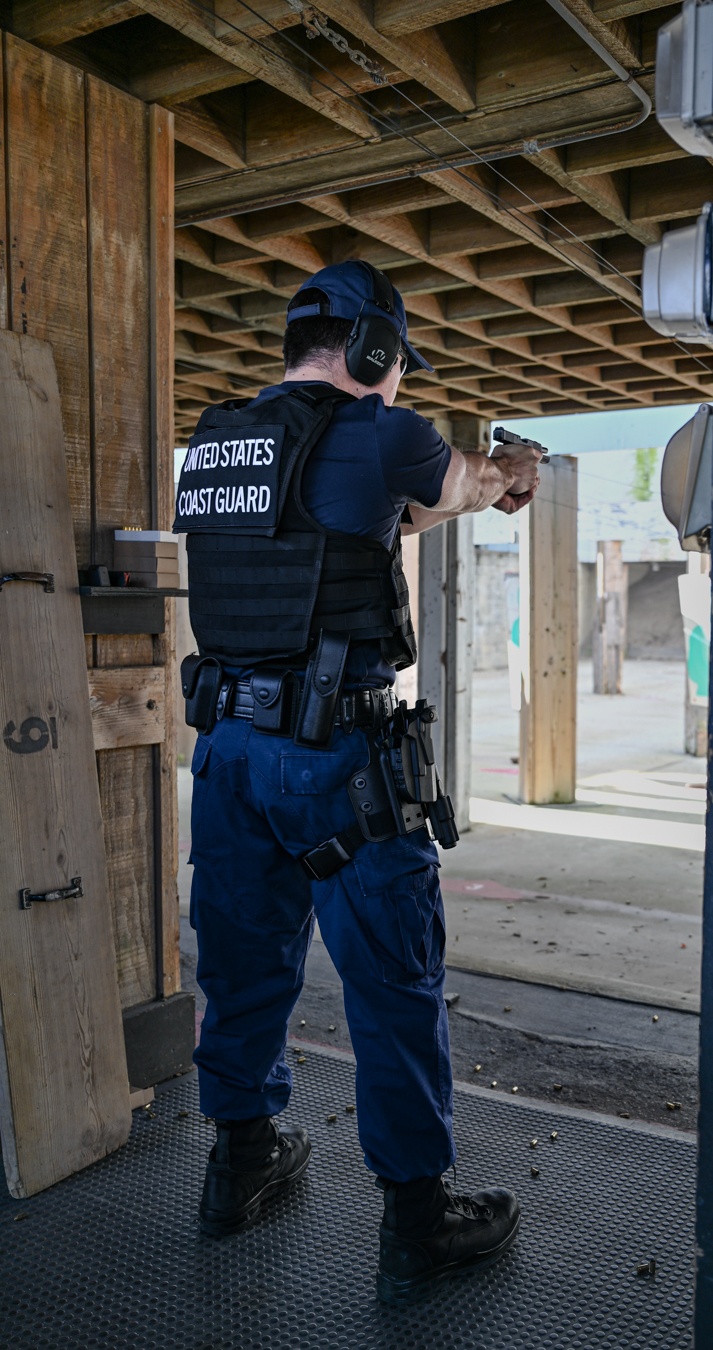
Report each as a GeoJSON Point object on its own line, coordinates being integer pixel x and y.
{"type": "Point", "coordinates": [64, 1098]}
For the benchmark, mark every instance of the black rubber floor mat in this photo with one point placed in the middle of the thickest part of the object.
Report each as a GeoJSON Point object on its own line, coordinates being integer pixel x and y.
{"type": "Point", "coordinates": [112, 1258]}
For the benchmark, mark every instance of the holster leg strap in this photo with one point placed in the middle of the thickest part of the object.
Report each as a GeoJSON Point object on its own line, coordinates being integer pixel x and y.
{"type": "Point", "coordinates": [327, 858]}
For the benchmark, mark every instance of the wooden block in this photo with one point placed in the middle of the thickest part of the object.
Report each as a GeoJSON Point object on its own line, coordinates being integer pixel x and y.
{"type": "Point", "coordinates": [64, 1098]}
{"type": "Point", "coordinates": [548, 637]}
{"type": "Point", "coordinates": [144, 537]}
{"type": "Point", "coordinates": [140, 1097]}
{"type": "Point", "coordinates": [160, 580]}
{"type": "Point", "coordinates": [130, 554]}
{"type": "Point", "coordinates": [128, 706]}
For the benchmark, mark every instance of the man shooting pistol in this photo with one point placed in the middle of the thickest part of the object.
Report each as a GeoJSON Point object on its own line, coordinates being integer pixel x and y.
{"type": "Point", "coordinates": [315, 792]}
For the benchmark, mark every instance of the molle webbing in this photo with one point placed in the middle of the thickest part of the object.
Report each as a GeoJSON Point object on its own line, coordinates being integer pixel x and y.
{"type": "Point", "coordinates": [266, 594]}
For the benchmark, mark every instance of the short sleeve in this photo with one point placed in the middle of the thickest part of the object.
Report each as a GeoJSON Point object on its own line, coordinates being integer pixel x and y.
{"type": "Point", "coordinates": [414, 456]}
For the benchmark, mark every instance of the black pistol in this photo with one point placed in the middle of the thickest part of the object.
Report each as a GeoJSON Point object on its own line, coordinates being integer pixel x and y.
{"type": "Point", "coordinates": [510, 438]}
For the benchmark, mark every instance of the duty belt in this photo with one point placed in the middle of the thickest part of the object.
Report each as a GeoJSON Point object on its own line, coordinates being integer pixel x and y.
{"type": "Point", "coordinates": [250, 700]}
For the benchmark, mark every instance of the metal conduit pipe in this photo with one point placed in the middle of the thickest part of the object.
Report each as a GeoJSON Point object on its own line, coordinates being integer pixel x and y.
{"type": "Point", "coordinates": [528, 147]}
{"type": "Point", "coordinates": [626, 78]}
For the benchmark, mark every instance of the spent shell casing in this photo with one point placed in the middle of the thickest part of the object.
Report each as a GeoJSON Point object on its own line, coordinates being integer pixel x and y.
{"type": "Point", "coordinates": [534, 1171]}
{"type": "Point", "coordinates": [331, 1119]}
{"type": "Point", "coordinates": [555, 1134]}
{"type": "Point", "coordinates": [533, 1143]}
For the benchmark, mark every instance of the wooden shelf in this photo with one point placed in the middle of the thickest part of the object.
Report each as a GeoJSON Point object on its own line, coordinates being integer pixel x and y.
{"type": "Point", "coordinates": [141, 592]}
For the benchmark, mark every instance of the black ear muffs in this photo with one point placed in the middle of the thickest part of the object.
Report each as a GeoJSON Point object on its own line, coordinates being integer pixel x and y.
{"type": "Point", "coordinates": [373, 345]}
{"type": "Point", "coordinates": [372, 349]}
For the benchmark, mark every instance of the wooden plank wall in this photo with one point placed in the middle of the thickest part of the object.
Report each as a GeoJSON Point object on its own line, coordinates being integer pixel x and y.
{"type": "Point", "coordinates": [86, 215]}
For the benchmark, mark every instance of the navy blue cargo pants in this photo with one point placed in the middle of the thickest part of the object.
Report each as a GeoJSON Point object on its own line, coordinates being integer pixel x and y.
{"type": "Point", "coordinates": [259, 803]}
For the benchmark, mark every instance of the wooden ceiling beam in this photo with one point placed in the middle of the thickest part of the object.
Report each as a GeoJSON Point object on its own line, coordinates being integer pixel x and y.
{"type": "Point", "coordinates": [648, 144]}
{"type": "Point", "coordinates": [606, 193]}
{"type": "Point", "coordinates": [397, 17]}
{"type": "Point", "coordinates": [51, 24]}
{"type": "Point", "coordinates": [610, 10]}
{"type": "Point", "coordinates": [421, 54]}
{"type": "Point", "coordinates": [474, 188]}
{"type": "Point", "coordinates": [679, 192]}
{"type": "Point", "coordinates": [265, 62]}
{"type": "Point", "coordinates": [620, 38]}
{"type": "Point", "coordinates": [516, 294]}
{"type": "Point", "coordinates": [196, 125]}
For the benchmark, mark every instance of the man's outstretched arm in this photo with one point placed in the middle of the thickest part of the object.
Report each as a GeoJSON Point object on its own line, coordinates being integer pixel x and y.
{"type": "Point", "coordinates": [507, 480]}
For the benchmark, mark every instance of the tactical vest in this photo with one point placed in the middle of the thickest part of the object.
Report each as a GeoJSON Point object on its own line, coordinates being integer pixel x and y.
{"type": "Point", "coordinates": [264, 577]}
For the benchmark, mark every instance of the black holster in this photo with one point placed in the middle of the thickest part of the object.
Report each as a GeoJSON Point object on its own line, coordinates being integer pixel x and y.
{"type": "Point", "coordinates": [201, 682]}
{"type": "Point", "coordinates": [322, 688]}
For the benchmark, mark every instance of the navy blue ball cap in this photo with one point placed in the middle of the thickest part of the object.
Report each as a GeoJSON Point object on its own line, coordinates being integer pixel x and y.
{"type": "Point", "coordinates": [349, 290]}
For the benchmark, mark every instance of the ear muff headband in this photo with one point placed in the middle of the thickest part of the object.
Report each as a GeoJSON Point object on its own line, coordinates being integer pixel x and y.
{"type": "Point", "coordinates": [373, 345]}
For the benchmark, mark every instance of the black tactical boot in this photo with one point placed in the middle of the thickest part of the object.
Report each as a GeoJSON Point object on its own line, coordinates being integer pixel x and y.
{"type": "Point", "coordinates": [250, 1160]}
{"type": "Point", "coordinates": [428, 1233]}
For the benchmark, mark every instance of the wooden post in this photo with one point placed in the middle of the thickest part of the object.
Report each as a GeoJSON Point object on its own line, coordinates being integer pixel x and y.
{"type": "Point", "coordinates": [445, 634]}
{"type": "Point", "coordinates": [161, 237]}
{"type": "Point", "coordinates": [548, 637]}
{"type": "Point", "coordinates": [609, 632]}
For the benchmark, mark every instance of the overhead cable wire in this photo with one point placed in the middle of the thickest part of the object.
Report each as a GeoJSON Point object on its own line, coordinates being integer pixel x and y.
{"type": "Point", "coordinates": [384, 121]}
{"type": "Point", "coordinates": [513, 212]}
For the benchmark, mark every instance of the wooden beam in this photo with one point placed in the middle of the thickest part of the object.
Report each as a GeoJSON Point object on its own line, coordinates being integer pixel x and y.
{"type": "Point", "coordinates": [264, 62]}
{"type": "Point", "coordinates": [548, 637]}
{"type": "Point", "coordinates": [679, 192]}
{"type": "Point", "coordinates": [619, 39]}
{"type": "Point", "coordinates": [648, 144]}
{"type": "Point", "coordinates": [609, 10]}
{"type": "Point", "coordinates": [49, 23]}
{"type": "Point", "coordinates": [606, 193]}
{"type": "Point", "coordinates": [128, 706]}
{"type": "Point", "coordinates": [422, 55]}
{"type": "Point", "coordinates": [197, 126]}
{"type": "Point", "coordinates": [162, 272]}
{"type": "Point", "coordinates": [397, 17]}
{"type": "Point", "coordinates": [474, 187]}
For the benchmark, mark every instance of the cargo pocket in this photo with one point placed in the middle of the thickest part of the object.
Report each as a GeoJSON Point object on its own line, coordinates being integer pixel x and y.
{"type": "Point", "coordinates": [407, 923]}
{"type": "Point", "coordinates": [320, 772]}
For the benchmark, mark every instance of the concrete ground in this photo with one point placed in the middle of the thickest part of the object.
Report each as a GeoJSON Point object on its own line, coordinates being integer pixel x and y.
{"type": "Point", "coordinates": [604, 895]}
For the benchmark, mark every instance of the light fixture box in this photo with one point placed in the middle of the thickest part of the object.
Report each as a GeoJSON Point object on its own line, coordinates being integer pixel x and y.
{"type": "Point", "coordinates": [687, 481]}
{"type": "Point", "coordinates": [677, 279]}
{"type": "Point", "coordinates": [684, 77]}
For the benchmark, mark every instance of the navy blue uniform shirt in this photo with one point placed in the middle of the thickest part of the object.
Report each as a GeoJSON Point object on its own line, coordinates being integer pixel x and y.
{"type": "Point", "coordinates": [369, 464]}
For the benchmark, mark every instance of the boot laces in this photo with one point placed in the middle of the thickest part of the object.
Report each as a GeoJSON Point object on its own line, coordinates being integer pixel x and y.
{"type": "Point", "coordinates": [466, 1205]}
